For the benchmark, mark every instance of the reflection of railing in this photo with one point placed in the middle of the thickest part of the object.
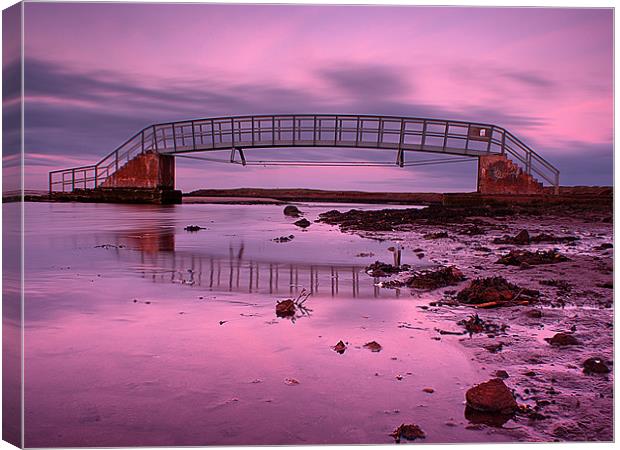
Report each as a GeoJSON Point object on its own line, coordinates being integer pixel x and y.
{"type": "Point", "coordinates": [312, 130]}
{"type": "Point", "coordinates": [152, 254]}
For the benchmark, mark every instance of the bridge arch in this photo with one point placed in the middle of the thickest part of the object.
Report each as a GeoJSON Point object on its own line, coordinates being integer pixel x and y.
{"type": "Point", "coordinates": [147, 158]}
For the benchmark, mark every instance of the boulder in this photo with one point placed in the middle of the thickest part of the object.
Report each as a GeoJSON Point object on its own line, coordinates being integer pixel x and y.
{"type": "Point", "coordinates": [492, 396]}
{"type": "Point", "coordinates": [595, 365]}
{"type": "Point", "coordinates": [292, 211]}
{"type": "Point", "coordinates": [562, 340]}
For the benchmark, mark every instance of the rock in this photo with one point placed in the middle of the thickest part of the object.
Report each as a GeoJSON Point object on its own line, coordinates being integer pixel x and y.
{"type": "Point", "coordinates": [501, 374]}
{"type": "Point", "coordinates": [534, 313]}
{"type": "Point", "coordinates": [365, 254]}
{"type": "Point", "coordinates": [286, 308]}
{"type": "Point", "coordinates": [291, 381]}
{"type": "Point", "coordinates": [410, 432]}
{"type": "Point", "coordinates": [605, 246]}
{"type": "Point", "coordinates": [595, 365]}
{"type": "Point", "coordinates": [373, 346]}
{"type": "Point", "coordinates": [340, 347]}
{"type": "Point", "coordinates": [381, 269]}
{"type": "Point", "coordinates": [494, 348]}
{"type": "Point", "coordinates": [520, 257]}
{"type": "Point", "coordinates": [292, 211]}
{"type": "Point", "coordinates": [428, 390]}
{"type": "Point", "coordinates": [193, 228]}
{"type": "Point", "coordinates": [437, 235]}
{"type": "Point", "coordinates": [302, 223]}
{"type": "Point", "coordinates": [494, 291]}
{"type": "Point", "coordinates": [284, 238]}
{"type": "Point", "coordinates": [562, 339]}
{"type": "Point", "coordinates": [431, 279]}
{"type": "Point", "coordinates": [523, 238]}
{"type": "Point", "coordinates": [492, 396]}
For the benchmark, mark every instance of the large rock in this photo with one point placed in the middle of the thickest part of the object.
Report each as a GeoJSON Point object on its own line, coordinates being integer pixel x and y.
{"type": "Point", "coordinates": [562, 340]}
{"type": "Point", "coordinates": [595, 365]}
{"type": "Point", "coordinates": [292, 211]}
{"type": "Point", "coordinates": [492, 396]}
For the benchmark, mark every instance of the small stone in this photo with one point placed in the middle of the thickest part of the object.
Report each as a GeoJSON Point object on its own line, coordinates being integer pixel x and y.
{"type": "Point", "coordinates": [291, 381]}
{"type": "Point", "coordinates": [523, 238]}
{"type": "Point", "coordinates": [534, 313]}
{"type": "Point", "coordinates": [302, 223]}
{"type": "Point", "coordinates": [502, 374]}
{"type": "Point", "coordinates": [373, 346]}
{"type": "Point", "coordinates": [194, 228]}
{"type": "Point", "coordinates": [410, 432]}
{"type": "Point", "coordinates": [340, 347]}
{"type": "Point", "coordinates": [428, 390]}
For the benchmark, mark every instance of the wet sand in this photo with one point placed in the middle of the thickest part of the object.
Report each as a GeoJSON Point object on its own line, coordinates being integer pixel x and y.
{"type": "Point", "coordinates": [576, 298]}
{"type": "Point", "coordinates": [139, 332]}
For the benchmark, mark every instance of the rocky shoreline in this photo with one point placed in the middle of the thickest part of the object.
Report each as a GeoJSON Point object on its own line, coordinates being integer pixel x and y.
{"type": "Point", "coordinates": [527, 292]}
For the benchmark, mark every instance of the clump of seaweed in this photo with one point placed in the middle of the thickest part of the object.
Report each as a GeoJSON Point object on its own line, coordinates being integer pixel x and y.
{"type": "Point", "coordinates": [294, 308]}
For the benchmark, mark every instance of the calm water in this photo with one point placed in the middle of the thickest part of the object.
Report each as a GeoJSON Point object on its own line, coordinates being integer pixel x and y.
{"type": "Point", "coordinates": [141, 333]}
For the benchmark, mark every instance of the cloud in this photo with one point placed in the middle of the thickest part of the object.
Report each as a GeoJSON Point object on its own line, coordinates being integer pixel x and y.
{"type": "Point", "coordinates": [361, 81]}
{"type": "Point", "coordinates": [531, 79]}
{"type": "Point", "coordinates": [84, 114]}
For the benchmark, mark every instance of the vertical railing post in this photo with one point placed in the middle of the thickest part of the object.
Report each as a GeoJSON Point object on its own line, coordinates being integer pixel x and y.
{"type": "Point", "coordinates": [467, 139]}
{"type": "Point", "coordinates": [273, 130]}
{"type": "Point", "coordinates": [556, 188]}
{"type": "Point", "coordinates": [490, 139]}
{"type": "Point", "coordinates": [142, 140]}
{"type": "Point", "coordinates": [174, 137]}
{"type": "Point", "coordinates": [96, 175]}
{"type": "Point", "coordinates": [72, 180]}
{"type": "Point", "coordinates": [423, 141]}
{"type": "Point", "coordinates": [314, 131]}
{"type": "Point", "coordinates": [504, 142]}
{"type": "Point", "coordinates": [232, 131]}
{"type": "Point", "coordinates": [380, 132]}
{"type": "Point", "coordinates": [358, 130]}
{"type": "Point", "coordinates": [193, 135]}
{"type": "Point", "coordinates": [336, 131]}
{"type": "Point", "coordinates": [445, 136]}
{"type": "Point", "coordinates": [50, 182]}
{"type": "Point", "coordinates": [400, 159]}
{"type": "Point", "coordinates": [252, 131]}
{"type": "Point", "coordinates": [294, 130]}
{"type": "Point", "coordinates": [212, 133]}
{"type": "Point", "coordinates": [155, 138]}
{"type": "Point", "coordinates": [116, 158]}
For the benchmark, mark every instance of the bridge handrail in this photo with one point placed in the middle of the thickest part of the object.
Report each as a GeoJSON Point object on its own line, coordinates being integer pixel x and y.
{"type": "Point", "coordinates": [148, 139]}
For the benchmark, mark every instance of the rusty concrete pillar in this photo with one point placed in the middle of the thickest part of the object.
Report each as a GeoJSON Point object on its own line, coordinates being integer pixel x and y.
{"type": "Point", "coordinates": [499, 175]}
{"type": "Point", "coordinates": [148, 170]}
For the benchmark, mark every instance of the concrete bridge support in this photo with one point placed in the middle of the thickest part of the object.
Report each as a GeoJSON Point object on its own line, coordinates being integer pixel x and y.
{"type": "Point", "coordinates": [149, 178]}
{"type": "Point", "coordinates": [499, 175]}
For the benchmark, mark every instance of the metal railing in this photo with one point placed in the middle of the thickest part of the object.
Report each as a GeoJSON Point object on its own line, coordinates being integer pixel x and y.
{"type": "Point", "coordinates": [402, 134]}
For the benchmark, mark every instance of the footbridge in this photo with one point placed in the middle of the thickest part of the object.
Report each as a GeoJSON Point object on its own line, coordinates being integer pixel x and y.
{"type": "Point", "coordinates": [146, 160]}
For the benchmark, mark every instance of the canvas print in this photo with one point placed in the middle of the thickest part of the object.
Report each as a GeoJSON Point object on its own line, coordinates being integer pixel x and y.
{"type": "Point", "coordinates": [245, 224]}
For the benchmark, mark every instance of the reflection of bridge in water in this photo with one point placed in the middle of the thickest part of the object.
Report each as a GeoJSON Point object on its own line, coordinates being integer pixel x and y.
{"type": "Point", "coordinates": [235, 272]}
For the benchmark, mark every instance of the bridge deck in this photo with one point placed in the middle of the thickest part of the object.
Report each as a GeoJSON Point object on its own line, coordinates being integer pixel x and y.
{"type": "Point", "coordinates": [399, 134]}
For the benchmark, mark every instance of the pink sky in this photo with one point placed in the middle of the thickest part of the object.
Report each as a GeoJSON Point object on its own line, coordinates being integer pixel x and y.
{"type": "Point", "coordinates": [96, 73]}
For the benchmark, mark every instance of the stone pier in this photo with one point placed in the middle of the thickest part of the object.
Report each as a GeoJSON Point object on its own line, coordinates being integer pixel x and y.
{"type": "Point", "coordinates": [499, 175]}
{"type": "Point", "coordinates": [147, 178]}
